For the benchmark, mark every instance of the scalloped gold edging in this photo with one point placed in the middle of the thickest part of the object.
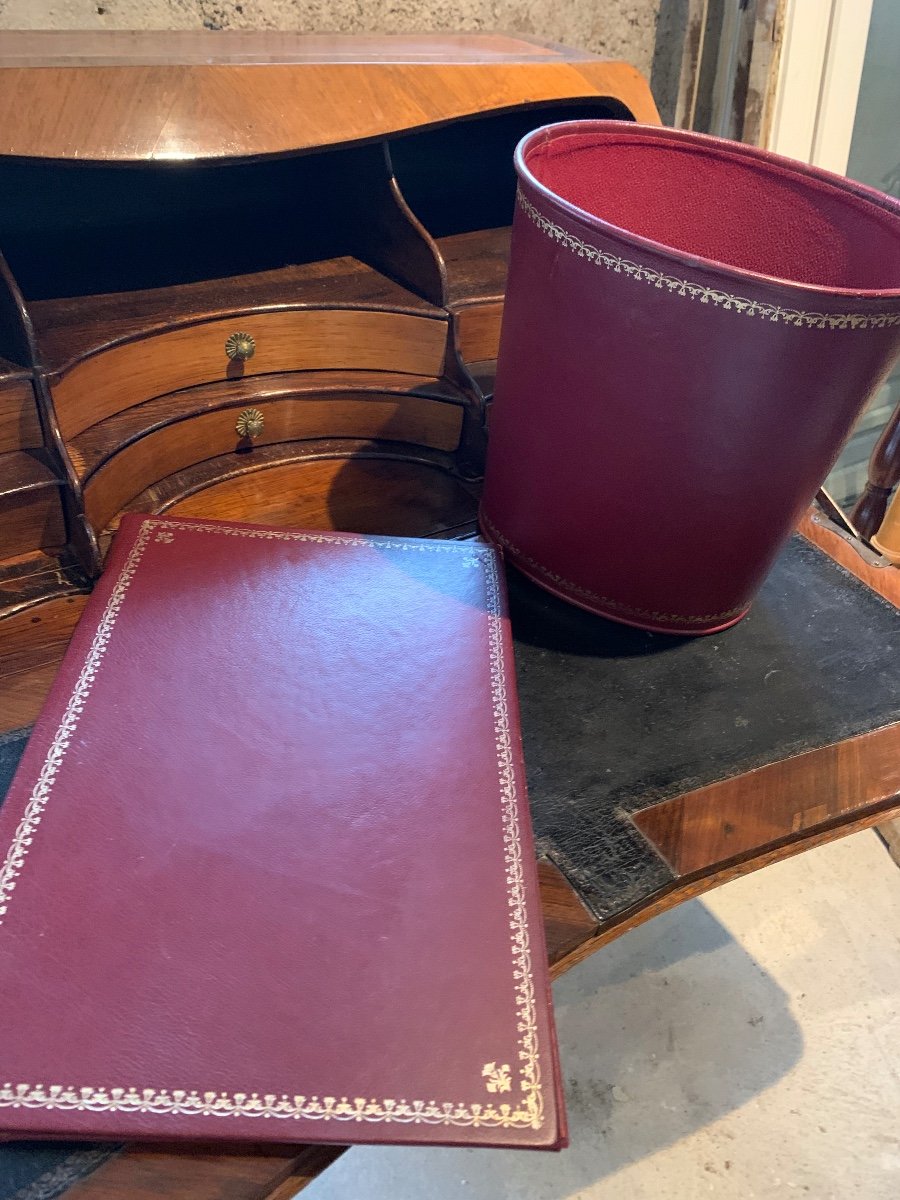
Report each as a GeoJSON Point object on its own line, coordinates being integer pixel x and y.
{"type": "Point", "coordinates": [174, 1102]}
{"type": "Point", "coordinates": [696, 291]}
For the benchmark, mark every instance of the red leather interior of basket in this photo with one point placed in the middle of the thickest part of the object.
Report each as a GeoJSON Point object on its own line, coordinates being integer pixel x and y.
{"type": "Point", "coordinates": [725, 206]}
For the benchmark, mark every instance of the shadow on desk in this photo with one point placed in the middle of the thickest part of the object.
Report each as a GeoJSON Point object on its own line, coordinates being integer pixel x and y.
{"type": "Point", "coordinates": [667, 1030]}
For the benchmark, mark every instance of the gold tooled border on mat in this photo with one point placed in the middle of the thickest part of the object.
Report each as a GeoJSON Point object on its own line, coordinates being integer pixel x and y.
{"type": "Point", "coordinates": [495, 1077]}
{"type": "Point", "coordinates": [697, 291]}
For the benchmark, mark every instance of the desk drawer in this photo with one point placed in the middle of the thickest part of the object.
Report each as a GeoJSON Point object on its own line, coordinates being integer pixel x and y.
{"type": "Point", "coordinates": [306, 339]}
{"type": "Point", "coordinates": [478, 330]}
{"type": "Point", "coordinates": [412, 419]}
{"type": "Point", "coordinates": [20, 427]}
{"type": "Point", "coordinates": [31, 515]}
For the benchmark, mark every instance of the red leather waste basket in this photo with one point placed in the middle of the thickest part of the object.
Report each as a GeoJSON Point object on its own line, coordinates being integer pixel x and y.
{"type": "Point", "coordinates": [691, 327]}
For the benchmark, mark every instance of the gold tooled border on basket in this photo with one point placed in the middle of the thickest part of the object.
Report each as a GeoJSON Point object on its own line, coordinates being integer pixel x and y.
{"type": "Point", "coordinates": [696, 291]}
{"type": "Point", "coordinates": [495, 1077]}
{"type": "Point", "coordinates": [606, 601]}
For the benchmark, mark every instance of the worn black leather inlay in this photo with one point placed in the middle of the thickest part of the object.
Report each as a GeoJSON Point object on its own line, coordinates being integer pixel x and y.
{"type": "Point", "coordinates": [11, 747]}
{"type": "Point", "coordinates": [615, 719]}
{"type": "Point", "coordinates": [44, 1170]}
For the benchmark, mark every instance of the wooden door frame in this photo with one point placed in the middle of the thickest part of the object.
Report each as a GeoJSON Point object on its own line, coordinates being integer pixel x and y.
{"type": "Point", "coordinates": [817, 83]}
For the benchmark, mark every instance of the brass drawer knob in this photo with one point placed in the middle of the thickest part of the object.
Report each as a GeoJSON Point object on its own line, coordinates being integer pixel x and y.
{"type": "Point", "coordinates": [250, 423]}
{"type": "Point", "coordinates": [240, 346]}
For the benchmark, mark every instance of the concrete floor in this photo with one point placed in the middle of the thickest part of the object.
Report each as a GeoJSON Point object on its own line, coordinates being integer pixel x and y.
{"type": "Point", "coordinates": [742, 1047]}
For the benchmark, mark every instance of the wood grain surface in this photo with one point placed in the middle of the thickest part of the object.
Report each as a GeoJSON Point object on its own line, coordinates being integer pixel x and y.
{"type": "Point", "coordinates": [161, 496]}
{"type": "Point", "coordinates": [99, 442]}
{"type": "Point", "coordinates": [23, 471]}
{"type": "Point", "coordinates": [180, 444]}
{"type": "Point", "coordinates": [567, 923]}
{"type": "Point", "coordinates": [31, 515]}
{"type": "Point", "coordinates": [203, 1172]}
{"type": "Point", "coordinates": [20, 427]}
{"type": "Point", "coordinates": [702, 830]}
{"type": "Point", "coordinates": [476, 264]}
{"type": "Point", "coordinates": [478, 331]}
{"type": "Point", "coordinates": [71, 328]}
{"type": "Point", "coordinates": [683, 890]}
{"type": "Point", "coordinates": [31, 520]}
{"type": "Point", "coordinates": [373, 495]}
{"type": "Point", "coordinates": [174, 112]}
{"type": "Point", "coordinates": [33, 578]}
{"type": "Point", "coordinates": [296, 340]}
{"type": "Point", "coordinates": [32, 643]}
{"type": "Point", "coordinates": [880, 576]}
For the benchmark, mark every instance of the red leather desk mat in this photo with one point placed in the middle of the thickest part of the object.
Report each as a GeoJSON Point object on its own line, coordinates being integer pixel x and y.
{"type": "Point", "coordinates": [269, 870]}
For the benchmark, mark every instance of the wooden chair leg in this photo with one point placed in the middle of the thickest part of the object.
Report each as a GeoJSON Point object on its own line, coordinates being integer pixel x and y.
{"type": "Point", "coordinates": [884, 475]}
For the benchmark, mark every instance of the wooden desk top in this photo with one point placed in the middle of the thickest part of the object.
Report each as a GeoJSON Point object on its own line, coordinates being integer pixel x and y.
{"type": "Point", "coordinates": [145, 97]}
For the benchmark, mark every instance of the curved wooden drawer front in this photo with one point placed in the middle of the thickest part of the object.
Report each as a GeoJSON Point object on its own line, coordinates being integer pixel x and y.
{"type": "Point", "coordinates": [393, 418]}
{"type": "Point", "coordinates": [478, 330]}
{"type": "Point", "coordinates": [304, 339]}
{"type": "Point", "coordinates": [31, 515]}
{"type": "Point", "coordinates": [20, 427]}
{"type": "Point", "coordinates": [31, 521]}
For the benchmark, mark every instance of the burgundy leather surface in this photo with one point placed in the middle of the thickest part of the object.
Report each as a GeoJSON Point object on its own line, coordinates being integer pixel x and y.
{"type": "Point", "coordinates": [661, 421]}
{"type": "Point", "coordinates": [718, 201]}
{"type": "Point", "coordinates": [270, 872]}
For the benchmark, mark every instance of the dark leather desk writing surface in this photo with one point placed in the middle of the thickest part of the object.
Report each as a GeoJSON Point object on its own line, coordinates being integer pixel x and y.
{"type": "Point", "coordinates": [616, 720]}
{"type": "Point", "coordinates": [268, 867]}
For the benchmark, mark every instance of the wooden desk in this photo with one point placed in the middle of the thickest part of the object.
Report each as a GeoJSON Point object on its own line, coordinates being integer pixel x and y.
{"type": "Point", "coordinates": [658, 767]}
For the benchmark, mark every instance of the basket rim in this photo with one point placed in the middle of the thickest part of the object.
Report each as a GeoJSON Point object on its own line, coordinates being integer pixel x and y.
{"type": "Point", "coordinates": [805, 172]}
